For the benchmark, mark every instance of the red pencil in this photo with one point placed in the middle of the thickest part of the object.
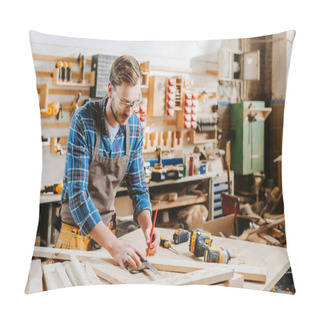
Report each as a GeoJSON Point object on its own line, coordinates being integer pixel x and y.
{"type": "Point", "coordinates": [151, 234]}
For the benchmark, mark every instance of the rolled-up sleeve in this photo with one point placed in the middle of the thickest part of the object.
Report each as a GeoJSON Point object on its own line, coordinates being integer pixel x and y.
{"type": "Point", "coordinates": [136, 180]}
{"type": "Point", "coordinates": [82, 208]}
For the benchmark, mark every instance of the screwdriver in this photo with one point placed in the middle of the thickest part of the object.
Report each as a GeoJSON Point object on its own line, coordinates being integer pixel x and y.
{"type": "Point", "coordinates": [166, 244]}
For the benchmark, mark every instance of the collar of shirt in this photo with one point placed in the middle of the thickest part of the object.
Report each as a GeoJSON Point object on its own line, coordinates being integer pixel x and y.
{"type": "Point", "coordinates": [104, 119]}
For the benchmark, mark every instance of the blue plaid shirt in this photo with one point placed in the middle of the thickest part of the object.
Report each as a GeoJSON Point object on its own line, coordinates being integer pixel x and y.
{"type": "Point", "coordinates": [80, 149]}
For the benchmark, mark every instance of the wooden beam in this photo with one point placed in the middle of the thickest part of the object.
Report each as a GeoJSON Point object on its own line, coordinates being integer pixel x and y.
{"type": "Point", "coordinates": [45, 57]}
{"type": "Point", "coordinates": [110, 273]}
{"type": "Point", "coordinates": [34, 283]}
{"type": "Point", "coordinates": [91, 275]}
{"type": "Point", "coordinates": [184, 70]}
{"type": "Point", "coordinates": [79, 271]}
{"type": "Point", "coordinates": [257, 274]}
{"type": "Point", "coordinates": [237, 281]}
{"type": "Point", "coordinates": [74, 75]}
{"type": "Point", "coordinates": [69, 92]}
{"type": "Point", "coordinates": [203, 276]}
{"type": "Point", "coordinates": [55, 125]}
{"type": "Point", "coordinates": [55, 276]}
{"type": "Point", "coordinates": [65, 254]}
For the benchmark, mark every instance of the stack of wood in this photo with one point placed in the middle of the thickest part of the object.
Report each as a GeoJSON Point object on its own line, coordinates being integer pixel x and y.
{"type": "Point", "coordinates": [66, 268]}
{"type": "Point", "coordinates": [266, 231]}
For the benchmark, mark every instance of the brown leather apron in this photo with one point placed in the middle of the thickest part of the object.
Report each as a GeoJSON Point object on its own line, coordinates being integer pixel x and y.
{"type": "Point", "coordinates": [105, 177]}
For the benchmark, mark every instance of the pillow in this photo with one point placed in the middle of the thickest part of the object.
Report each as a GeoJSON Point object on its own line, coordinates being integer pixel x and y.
{"type": "Point", "coordinates": [201, 130]}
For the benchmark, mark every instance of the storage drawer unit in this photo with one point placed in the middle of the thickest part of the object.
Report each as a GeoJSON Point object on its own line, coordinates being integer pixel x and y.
{"type": "Point", "coordinates": [219, 185]}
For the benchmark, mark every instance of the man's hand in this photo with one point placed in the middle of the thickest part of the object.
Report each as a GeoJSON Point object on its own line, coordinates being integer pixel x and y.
{"type": "Point", "coordinates": [144, 220]}
{"type": "Point", "coordinates": [155, 241]}
{"type": "Point", "coordinates": [123, 251]}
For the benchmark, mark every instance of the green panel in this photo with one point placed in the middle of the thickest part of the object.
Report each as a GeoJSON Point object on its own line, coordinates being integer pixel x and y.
{"type": "Point", "coordinates": [247, 143]}
{"type": "Point", "coordinates": [236, 127]}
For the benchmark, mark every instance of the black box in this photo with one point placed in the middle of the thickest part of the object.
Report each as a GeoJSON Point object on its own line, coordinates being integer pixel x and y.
{"type": "Point", "coordinates": [101, 64]}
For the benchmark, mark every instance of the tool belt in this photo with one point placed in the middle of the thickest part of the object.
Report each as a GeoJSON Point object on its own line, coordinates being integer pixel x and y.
{"type": "Point", "coordinates": [70, 237]}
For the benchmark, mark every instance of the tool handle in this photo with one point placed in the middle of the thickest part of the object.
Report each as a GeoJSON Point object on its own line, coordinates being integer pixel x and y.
{"type": "Point", "coordinates": [151, 234]}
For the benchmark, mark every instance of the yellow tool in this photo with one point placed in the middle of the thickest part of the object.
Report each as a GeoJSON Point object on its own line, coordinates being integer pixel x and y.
{"type": "Point", "coordinates": [180, 236]}
{"type": "Point", "coordinates": [55, 188]}
{"type": "Point", "coordinates": [159, 164]}
{"type": "Point", "coordinates": [166, 244]}
{"type": "Point", "coordinates": [217, 255]}
{"type": "Point", "coordinates": [199, 240]}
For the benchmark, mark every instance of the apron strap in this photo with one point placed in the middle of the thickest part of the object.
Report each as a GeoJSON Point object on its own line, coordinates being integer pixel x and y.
{"type": "Point", "coordinates": [98, 126]}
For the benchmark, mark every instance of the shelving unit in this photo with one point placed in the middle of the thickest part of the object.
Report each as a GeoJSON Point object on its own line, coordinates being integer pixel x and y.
{"type": "Point", "coordinates": [57, 82]}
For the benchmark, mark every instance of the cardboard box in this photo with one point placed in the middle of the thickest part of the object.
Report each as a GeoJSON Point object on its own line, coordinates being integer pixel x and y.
{"type": "Point", "coordinates": [224, 224]}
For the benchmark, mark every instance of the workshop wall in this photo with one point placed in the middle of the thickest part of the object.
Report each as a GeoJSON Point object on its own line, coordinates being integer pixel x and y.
{"type": "Point", "coordinates": [203, 55]}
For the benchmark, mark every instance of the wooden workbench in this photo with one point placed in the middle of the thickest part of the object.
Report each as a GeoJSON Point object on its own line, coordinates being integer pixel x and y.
{"type": "Point", "coordinates": [260, 266]}
{"type": "Point", "coordinates": [275, 259]}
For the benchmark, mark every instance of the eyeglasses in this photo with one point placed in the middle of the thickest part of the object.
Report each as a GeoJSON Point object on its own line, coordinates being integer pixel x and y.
{"type": "Point", "coordinates": [126, 105]}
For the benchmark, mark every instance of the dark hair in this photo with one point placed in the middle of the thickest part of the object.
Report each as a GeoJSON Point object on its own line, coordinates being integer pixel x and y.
{"type": "Point", "coordinates": [125, 69]}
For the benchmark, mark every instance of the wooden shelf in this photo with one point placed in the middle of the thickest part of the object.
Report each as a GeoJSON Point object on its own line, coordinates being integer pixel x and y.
{"type": "Point", "coordinates": [180, 202]}
{"type": "Point", "coordinates": [57, 82]}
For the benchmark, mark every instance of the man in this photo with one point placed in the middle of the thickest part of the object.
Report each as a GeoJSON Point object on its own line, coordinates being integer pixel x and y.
{"type": "Point", "coordinates": [104, 148]}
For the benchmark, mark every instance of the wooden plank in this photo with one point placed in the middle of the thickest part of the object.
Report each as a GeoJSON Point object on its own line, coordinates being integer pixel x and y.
{"type": "Point", "coordinates": [55, 276]}
{"type": "Point", "coordinates": [65, 254]}
{"type": "Point", "coordinates": [79, 271]}
{"type": "Point", "coordinates": [109, 272]}
{"type": "Point", "coordinates": [91, 275]}
{"type": "Point", "coordinates": [184, 70]}
{"type": "Point", "coordinates": [71, 274]}
{"type": "Point", "coordinates": [69, 92]}
{"type": "Point", "coordinates": [43, 92]}
{"type": "Point", "coordinates": [181, 201]}
{"type": "Point", "coordinates": [74, 75]}
{"type": "Point", "coordinates": [34, 283]}
{"type": "Point", "coordinates": [271, 240]}
{"type": "Point", "coordinates": [236, 281]}
{"type": "Point", "coordinates": [251, 273]}
{"type": "Point", "coordinates": [45, 57]}
{"type": "Point", "coordinates": [203, 276]}
{"type": "Point", "coordinates": [55, 125]}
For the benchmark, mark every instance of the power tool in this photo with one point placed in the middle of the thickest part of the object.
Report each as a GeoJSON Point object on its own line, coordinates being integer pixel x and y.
{"type": "Point", "coordinates": [158, 172]}
{"type": "Point", "coordinates": [199, 240]}
{"type": "Point", "coordinates": [159, 164]}
{"type": "Point", "coordinates": [180, 236]}
{"type": "Point", "coordinates": [166, 244]}
{"type": "Point", "coordinates": [217, 255]}
{"type": "Point", "coordinates": [55, 188]}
